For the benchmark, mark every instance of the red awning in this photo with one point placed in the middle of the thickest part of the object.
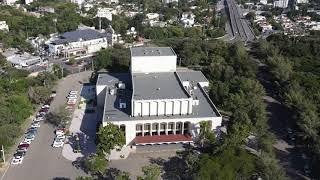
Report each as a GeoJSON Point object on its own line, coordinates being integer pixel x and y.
{"type": "Point", "coordinates": [172, 138]}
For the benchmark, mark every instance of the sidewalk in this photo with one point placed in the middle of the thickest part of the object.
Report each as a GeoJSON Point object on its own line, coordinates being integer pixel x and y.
{"type": "Point", "coordinates": [84, 125]}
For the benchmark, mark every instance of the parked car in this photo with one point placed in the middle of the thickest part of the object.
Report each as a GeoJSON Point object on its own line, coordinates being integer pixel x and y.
{"type": "Point", "coordinates": [29, 136]}
{"type": "Point", "coordinates": [60, 136]}
{"type": "Point", "coordinates": [72, 101]}
{"type": "Point", "coordinates": [46, 106]}
{"type": "Point", "coordinates": [26, 142]}
{"type": "Point", "coordinates": [19, 154]}
{"type": "Point", "coordinates": [58, 143]}
{"type": "Point", "coordinates": [61, 131]}
{"type": "Point", "coordinates": [21, 146]}
{"type": "Point", "coordinates": [72, 97]}
{"type": "Point", "coordinates": [17, 160]}
{"type": "Point", "coordinates": [44, 110]}
{"type": "Point", "coordinates": [35, 124]}
{"type": "Point", "coordinates": [73, 92]}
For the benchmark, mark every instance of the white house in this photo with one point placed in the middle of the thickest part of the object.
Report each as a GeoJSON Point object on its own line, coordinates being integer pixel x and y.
{"type": "Point", "coordinates": [153, 16]}
{"type": "Point", "coordinates": [9, 2]}
{"type": "Point", "coordinates": [79, 42]}
{"type": "Point", "coordinates": [281, 3]}
{"type": "Point", "coordinates": [264, 2]}
{"type": "Point", "coordinates": [155, 103]}
{"type": "Point", "coordinates": [170, 1]}
{"type": "Point", "coordinates": [4, 26]}
{"type": "Point", "coordinates": [187, 19]}
{"type": "Point", "coordinates": [105, 13]}
{"type": "Point", "coordinates": [21, 60]}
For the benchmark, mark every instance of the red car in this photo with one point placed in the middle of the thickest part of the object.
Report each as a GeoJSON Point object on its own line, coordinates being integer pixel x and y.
{"type": "Point", "coordinates": [23, 146]}
{"type": "Point", "coordinates": [43, 110]}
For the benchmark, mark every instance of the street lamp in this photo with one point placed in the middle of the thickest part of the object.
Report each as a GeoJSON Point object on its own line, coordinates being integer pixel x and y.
{"type": "Point", "coordinates": [3, 157]}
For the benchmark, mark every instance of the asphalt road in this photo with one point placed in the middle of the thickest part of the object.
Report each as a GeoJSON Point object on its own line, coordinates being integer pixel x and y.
{"type": "Point", "coordinates": [42, 161]}
{"type": "Point", "coordinates": [240, 28]}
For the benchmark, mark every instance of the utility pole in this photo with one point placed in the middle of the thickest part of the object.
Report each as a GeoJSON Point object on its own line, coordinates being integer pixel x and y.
{"type": "Point", "coordinates": [3, 157]}
{"type": "Point", "coordinates": [92, 64]}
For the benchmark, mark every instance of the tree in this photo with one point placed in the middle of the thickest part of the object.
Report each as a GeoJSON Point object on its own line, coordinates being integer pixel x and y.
{"type": "Point", "coordinates": [151, 172]}
{"type": "Point", "coordinates": [39, 94]}
{"type": "Point", "coordinates": [103, 59]}
{"type": "Point", "coordinates": [84, 178]}
{"type": "Point", "coordinates": [96, 164]}
{"type": "Point", "coordinates": [206, 134]}
{"type": "Point", "coordinates": [60, 118]}
{"type": "Point", "coordinates": [122, 175]}
{"type": "Point", "coordinates": [109, 137]}
{"type": "Point", "coordinates": [281, 68]}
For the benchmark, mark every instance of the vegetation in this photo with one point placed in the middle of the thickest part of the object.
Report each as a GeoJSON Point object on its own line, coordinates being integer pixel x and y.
{"type": "Point", "coordinates": [61, 118]}
{"type": "Point", "coordinates": [96, 165]}
{"type": "Point", "coordinates": [233, 80]}
{"type": "Point", "coordinates": [150, 172]}
{"type": "Point", "coordinates": [294, 69]}
{"type": "Point", "coordinates": [19, 95]}
{"type": "Point", "coordinates": [109, 138]}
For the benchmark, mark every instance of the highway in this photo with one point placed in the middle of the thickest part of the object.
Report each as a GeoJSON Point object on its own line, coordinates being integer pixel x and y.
{"type": "Point", "coordinates": [240, 29]}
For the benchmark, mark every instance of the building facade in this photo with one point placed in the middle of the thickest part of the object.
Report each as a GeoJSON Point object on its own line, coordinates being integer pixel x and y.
{"type": "Point", "coordinates": [79, 42]}
{"type": "Point", "coordinates": [156, 103]}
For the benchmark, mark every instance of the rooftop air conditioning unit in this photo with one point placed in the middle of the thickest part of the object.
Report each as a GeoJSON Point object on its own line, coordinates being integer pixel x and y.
{"type": "Point", "coordinates": [121, 85]}
{"type": "Point", "coordinates": [112, 91]}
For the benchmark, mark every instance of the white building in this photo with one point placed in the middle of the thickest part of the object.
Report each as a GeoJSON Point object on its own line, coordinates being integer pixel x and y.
{"type": "Point", "coordinates": [79, 42]}
{"type": "Point", "coordinates": [264, 2]}
{"type": "Point", "coordinates": [302, 1]}
{"type": "Point", "coordinates": [153, 16]}
{"type": "Point", "coordinates": [9, 2]}
{"type": "Point", "coordinates": [4, 26]}
{"type": "Point", "coordinates": [105, 13]}
{"type": "Point", "coordinates": [281, 3]}
{"type": "Point", "coordinates": [28, 1]}
{"type": "Point", "coordinates": [155, 103]}
{"type": "Point", "coordinates": [21, 60]}
{"type": "Point", "coordinates": [187, 19]}
{"type": "Point", "coordinates": [78, 2]}
{"type": "Point", "coordinates": [170, 1]}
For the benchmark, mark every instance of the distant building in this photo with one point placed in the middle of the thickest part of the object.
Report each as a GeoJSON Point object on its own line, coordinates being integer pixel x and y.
{"type": "Point", "coordinates": [153, 16]}
{"type": "Point", "coordinates": [105, 13]}
{"type": "Point", "coordinates": [264, 2]}
{"type": "Point", "coordinates": [78, 2]}
{"type": "Point", "coordinates": [187, 19]}
{"type": "Point", "coordinates": [9, 2]}
{"type": "Point", "coordinates": [155, 103]}
{"type": "Point", "coordinates": [4, 26]}
{"type": "Point", "coordinates": [302, 1]}
{"type": "Point", "coordinates": [111, 1]}
{"type": "Point", "coordinates": [170, 1]}
{"type": "Point", "coordinates": [78, 43]}
{"type": "Point", "coordinates": [28, 1]}
{"type": "Point", "coordinates": [21, 60]}
{"type": "Point", "coordinates": [281, 3]}
{"type": "Point", "coordinates": [46, 9]}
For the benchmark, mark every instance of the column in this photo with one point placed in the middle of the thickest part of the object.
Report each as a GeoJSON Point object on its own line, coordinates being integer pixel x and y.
{"type": "Point", "coordinates": [166, 129]}
{"type": "Point", "coordinates": [174, 128]}
{"type": "Point", "coordinates": [182, 127]}
{"type": "Point", "coordinates": [142, 129]}
{"type": "Point", "coordinates": [158, 129]}
{"type": "Point", "coordinates": [151, 124]}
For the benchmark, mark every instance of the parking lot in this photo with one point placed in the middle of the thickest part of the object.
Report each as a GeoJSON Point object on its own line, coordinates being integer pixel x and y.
{"type": "Point", "coordinates": [42, 161]}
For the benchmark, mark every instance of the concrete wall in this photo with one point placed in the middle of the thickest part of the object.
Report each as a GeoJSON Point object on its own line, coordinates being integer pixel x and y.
{"type": "Point", "coordinates": [101, 94]}
{"type": "Point", "coordinates": [162, 107]}
{"type": "Point", "coordinates": [194, 129]}
{"type": "Point", "coordinates": [149, 64]}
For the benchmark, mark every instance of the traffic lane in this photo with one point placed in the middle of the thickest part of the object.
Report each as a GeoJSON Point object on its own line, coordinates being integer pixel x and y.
{"type": "Point", "coordinates": [43, 161]}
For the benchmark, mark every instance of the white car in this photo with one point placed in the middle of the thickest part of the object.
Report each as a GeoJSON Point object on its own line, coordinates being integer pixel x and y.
{"type": "Point", "coordinates": [58, 143]}
{"type": "Point", "coordinates": [60, 136]}
{"type": "Point", "coordinates": [29, 137]}
{"type": "Point", "coordinates": [61, 131]}
{"type": "Point", "coordinates": [26, 141]}
{"type": "Point", "coordinates": [73, 92]}
{"type": "Point", "coordinates": [71, 101]}
{"type": "Point", "coordinates": [17, 160]}
{"type": "Point", "coordinates": [40, 118]}
{"type": "Point", "coordinates": [72, 97]}
{"type": "Point", "coordinates": [46, 106]}
{"type": "Point", "coordinates": [35, 124]}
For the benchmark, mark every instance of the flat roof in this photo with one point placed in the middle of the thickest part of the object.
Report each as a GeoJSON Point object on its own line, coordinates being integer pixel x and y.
{"type": "Point", "coordinates": [192, 76]}
{"type": "Point", "coordinates": [74, 36]}
{"type": "Point", "coordinates": [112, 112]}
{"type": "Point", "coordinates": [164, 85]}
{"type": "Point", "coordinates": [152, 51]}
